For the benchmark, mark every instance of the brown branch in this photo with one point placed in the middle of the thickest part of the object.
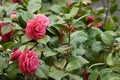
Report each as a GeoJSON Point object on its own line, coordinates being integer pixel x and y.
{"type": "Point", "coordinates": [1, 2]}
{"type": "Point", "coordinates": [106, 10]}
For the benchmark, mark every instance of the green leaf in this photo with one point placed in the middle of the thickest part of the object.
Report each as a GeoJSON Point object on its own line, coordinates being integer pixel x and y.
{"type": "Point", "coordinates": [43, 71]}
{"type": "Point", "coordinates": [97, 46]}
{"type": "Point", "coordinates": [23, 47]}
{"type": "Point", "coordinates": [34, 5]}
{"type": "Point", "coordinates": [12, 8]}
{"type": "Point", "coordinates": [61, 27]}
{"type": "Point", "coordinates": [78, 37]}
{"type": "Point", "coordinates": [75, 62]}
{"type": "Point", "coordinates": [113, 9]}
{"type": "Point", "coordinates": [2, 12]}
{"type": "Point", "coordinates": [75, 77]}
{"type": "Point", "coordinates": [7, 45]}
{"type": "Point", "coordinates": [60, 64]}
{"type": "Point", "coordinates": [48, 53]}
{"type": "Point", "coordinates": [94, 32]}
{"type": "Point", "coordinates": [108, 74]}
{"type": "Point", "coordinates": [107, 38]}
{"type": "Point", "coordinates": [24, 39]}
{"type": "Point", "coordinates": [110, 60]}
{"type": "Point", "coordinates": [12, 70]}
{"type": "Point", "coordinates": [74, 11]}
{"type": "Point", "coordinates": [1, 63]}
{"type": "Point", "coordinates": [56, 8]}
{"type": "Point", "coordinates": [44, 40]}
{"type": "Point", "coordinates": [78, 51]}
{"type": "Point", "coordinates": [56, 73]}
{"type": "Point", "coordinates": [93, 76]}
{"type": "Point", "coordinates": [26, 15]}
{"type": "Point", "coordinates": [6, 29]}
{"type": "Point", "coordinates": [110, 24]}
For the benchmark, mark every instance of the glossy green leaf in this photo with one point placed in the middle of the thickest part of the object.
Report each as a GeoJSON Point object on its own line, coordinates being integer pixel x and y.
{"type": "Point", "coordinates": [110, 24]}
{"type": "Point", "coordinates": [93, 76]}
{"type": "Point", "coordinates": [2, 12]}
{"type": "Point", "coordinates": [43, 71]}
{"type": "Point", "coordinates": [34, 5]}
{"type": "Point", "coordinates": [110, 61]}
{"type": "Point", "coordinates": [44, 40]}
{"type": "Point", "coordinates": [12, 8]}
{"type": "Point", "coordinates": [60, 64]}
{"type": "Point", "coordinates": [56, 73]}
{"type": "Point", "coordinates": [6, 29]}
{"type": "Point", "coordinates": [107, 38]}
{"type": "Point", "coordinates": [26, 15]}
{"type": "Point", "coordinates": [75, 62]}
{"type": "Point", "coordinates": [12, 70]}
{"type": "Point", "coordinates": [97, 46]}
{"type": "Point", "coordinates": [48, 53]}
{"type": "Point", "coordinates": [56, 8]}
{"type": "Point", "coordinates": [7, 45]}
{"type": "Point", "coordinates": [74, 11]}
{"type": "Point", "coordinates": [75, 77]}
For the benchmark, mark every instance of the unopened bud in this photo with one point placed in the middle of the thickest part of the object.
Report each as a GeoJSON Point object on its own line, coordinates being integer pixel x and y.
{"type": "Point", "coordinates": [13, 15]}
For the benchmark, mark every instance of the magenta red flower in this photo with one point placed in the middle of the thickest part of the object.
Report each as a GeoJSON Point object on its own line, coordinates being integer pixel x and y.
{"type": "Point", "coordinates": [36, 28]}
{"type": "Point", "coordinates": [16, 1]}
{"type": "Point", "coordinates": [28, 61]}
{"type": "Point", "coordinates": [16, 54]}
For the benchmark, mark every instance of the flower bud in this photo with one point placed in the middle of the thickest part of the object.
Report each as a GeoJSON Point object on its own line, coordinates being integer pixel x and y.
{"type": "Point", "coordinates": [70, 4]}
{"type": "Point", "coordinates": [86, 74]}
{"type": "Point", "coordinates": [90, 19]}
{"type": "Point", "coordinates": [16, 1]}
{"type": "Point", "coordinates": [16, 54]}
{"type": "Point", "coordinates": [13, 15]}
{"type": "Point", "coordinates": [98, 24]}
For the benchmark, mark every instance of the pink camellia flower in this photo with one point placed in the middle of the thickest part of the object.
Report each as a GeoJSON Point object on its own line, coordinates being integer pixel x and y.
{"type": "Point", "coordinates": [5, 37]}
{"type": "Point", "coordinates": [28, 62]}
{"type": "Point", "coordinates": [36, 28]}
{"type": "Point", "coordinates": [16, 54]}
{"type": "Point", "coordinates": [90, 19]}
{"type": "Point", "coordinates": [13, 15]}
{"type": "Point", "coordinates": [69, 4]}
{"type": "Point", "coordinates": [16, 1]}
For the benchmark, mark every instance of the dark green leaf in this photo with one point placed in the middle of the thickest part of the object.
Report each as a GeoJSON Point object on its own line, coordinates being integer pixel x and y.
{"type": "Point", "coordinates": [7, 45]}
{"type": "Point", "coordinates": [114, 8]}
{"type": "Point", "coordinates": [6, 29]}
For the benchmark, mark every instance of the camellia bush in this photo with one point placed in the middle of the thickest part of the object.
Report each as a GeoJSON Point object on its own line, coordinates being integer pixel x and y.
{"type": "Point", "coordinates": [59, 40]}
